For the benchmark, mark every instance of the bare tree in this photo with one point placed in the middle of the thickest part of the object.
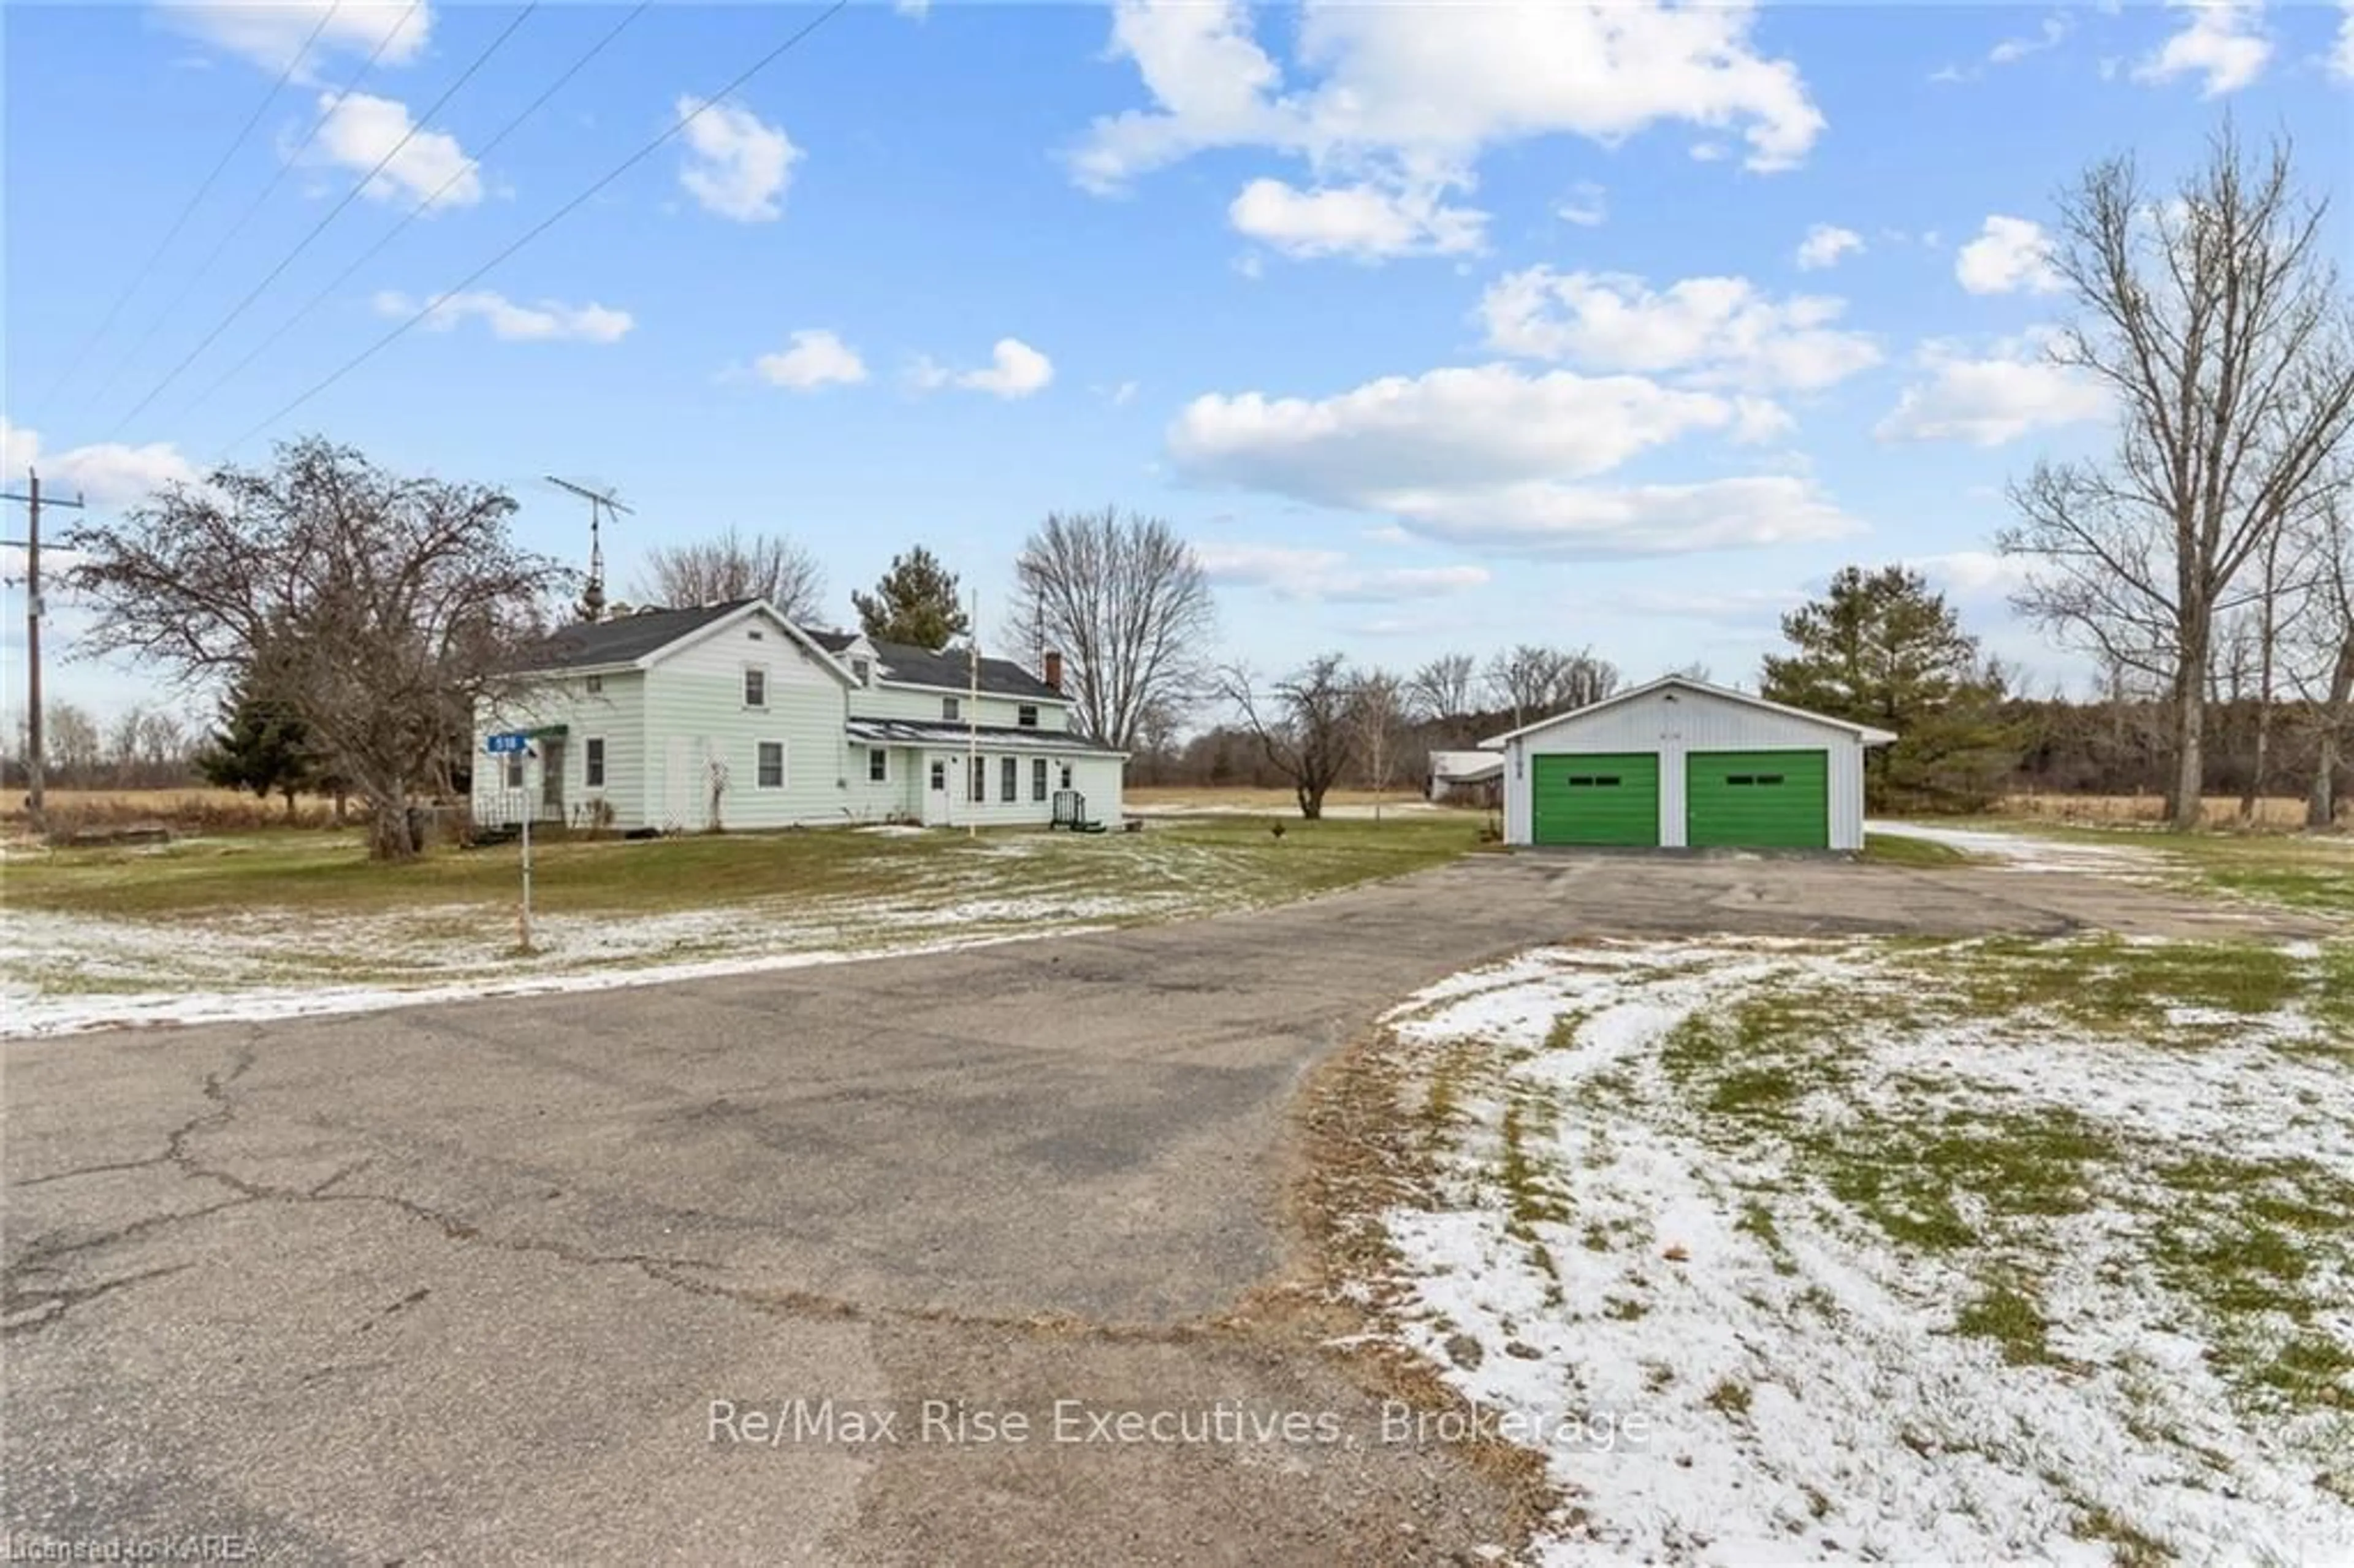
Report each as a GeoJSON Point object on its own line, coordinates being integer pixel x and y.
{"type": "Point", "coordinates": [1533, 681]}
{"type": "Point", "coordinates": [73, 744]}
{"type": "Point", "coordinates": [1126, 602]}
{"type": "Point", "coordinates": [1444, 688]}
{"type": "Point", "coordinates": [736, 566]}
{"type": "Point", "coordinates": [1378, 714]}
{"type": "Point", "coordinates": [379, 609]}
{"type": "Point", "coordinates": [2215, 321]}
{"type": "Point", "coordinates": [2329, 636]}
{"type": "Point", "coordinates": [1305, 727]}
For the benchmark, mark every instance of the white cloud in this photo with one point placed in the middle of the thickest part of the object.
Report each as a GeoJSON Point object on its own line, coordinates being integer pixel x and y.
{"type": "Point", "coordinates": [1015, 370]}
{"type": "Point", "coordinates": [1290, 572]}
{"type": "Point", "coordinates": [1122, 395]}
{"type": "Point", "coordinates": [272, 34]}
{"type": "Point", "coordinates": [546, 322]}
{"type": "Point", "coordinates": [1719, 331]}
{"type": "Point", "coordinates": [2341, 58]}
{"type": "Point", "coordinates": [1491, 454]}
{"type": "Point", "coordinates": [357, 130]}
{"type": "Point", "coordinates": [2009, 255]}
{"type": "Point", "coordinates": [917, 9]}
{"type": "Point", "coordinates": [2222, 43]}
{"type": "Point", "coordinates": [1398, 103]}
{"type": "Point", "coordinates": [1366, 221]}
{"type": "Point", "coordinates": [735, 164]}
{"type": "Point", "coordinates": [1976, 573]}
{"type": "Point", "coordinates": [1824, 245]}
{"type": "Point", "coordinates": [816, 358]}
{"type": "Point", "coordinates": [2049, 34]}
{"type": "Point", "coordinates": [109, 475]}
{"type": "Point", "coordinates": [1991, 398]}
{"type": "Point", "coordinates": [1588, 205]}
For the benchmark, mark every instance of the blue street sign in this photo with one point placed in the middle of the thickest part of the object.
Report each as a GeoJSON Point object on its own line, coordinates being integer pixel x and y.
{"type": "Point", "coordinates": [512, 740]}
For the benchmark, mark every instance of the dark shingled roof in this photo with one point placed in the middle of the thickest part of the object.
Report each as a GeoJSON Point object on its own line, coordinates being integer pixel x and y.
{"type": "Point", "coordinates": [951, 670]}
{"type": "Point", "coordinates": [623, 639]}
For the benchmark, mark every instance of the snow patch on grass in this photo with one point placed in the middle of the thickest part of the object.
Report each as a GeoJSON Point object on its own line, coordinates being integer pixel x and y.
{"type": "Point", "coordinates": [1884, 1282]}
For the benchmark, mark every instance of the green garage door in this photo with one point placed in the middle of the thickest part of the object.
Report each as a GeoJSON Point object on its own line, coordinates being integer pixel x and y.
{"type": "Point", "coordinates": [1758, 800]}
{"type": "Point", "coordinates": [1594, 800]}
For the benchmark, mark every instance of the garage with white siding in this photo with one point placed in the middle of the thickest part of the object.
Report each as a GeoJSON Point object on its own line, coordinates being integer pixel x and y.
{"type": "Point", "coordinates": [1680, 763]}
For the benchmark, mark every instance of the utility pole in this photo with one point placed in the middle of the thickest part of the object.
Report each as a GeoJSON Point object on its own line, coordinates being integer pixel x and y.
{"type": "Point", "coordinates": [975, 786]}
{"type": "Point", "coordinates": [31, 543]}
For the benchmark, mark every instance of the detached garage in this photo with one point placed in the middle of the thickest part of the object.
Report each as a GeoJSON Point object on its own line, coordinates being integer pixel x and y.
{"type": "Point", "coordinates": [1682, 764]}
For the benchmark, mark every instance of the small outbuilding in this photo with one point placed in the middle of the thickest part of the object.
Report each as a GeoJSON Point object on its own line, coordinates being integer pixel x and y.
{"type": "Point", "coordinates": [1679, 764]}
{"type": "Point", "coordinates": [1467, 778]}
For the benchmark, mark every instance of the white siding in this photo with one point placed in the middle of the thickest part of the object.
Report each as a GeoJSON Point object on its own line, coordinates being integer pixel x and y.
{"type": "Point", "coordinates": [1096, 778]}
{"type": "Point", "coordinates": [615, 715]}
{"type": "Point", "coordinates": [696, 716]}
{"type": "Point", "coordinates": [1673, 722]}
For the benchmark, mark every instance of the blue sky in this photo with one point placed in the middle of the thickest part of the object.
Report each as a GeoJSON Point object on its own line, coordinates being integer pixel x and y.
{"type": "Point", "coordinates": [1432, 327]}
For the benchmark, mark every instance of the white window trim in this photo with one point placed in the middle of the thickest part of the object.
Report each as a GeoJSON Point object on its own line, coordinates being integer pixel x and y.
{"type": "Point", "coordinates": [1009, 781]}
{"type": "Point", "coordinates": [743, 688]}
{"type": "Point", "coordinates": [593, 759]}
{"type": "Point", "coordinates": [878, 765]}
{"type": "Point", "coordinates": [1030, 723]}
{"type": "Point", "coordinates": [784, 764]}
{"type": "Point", "coordinates": [952, 710]}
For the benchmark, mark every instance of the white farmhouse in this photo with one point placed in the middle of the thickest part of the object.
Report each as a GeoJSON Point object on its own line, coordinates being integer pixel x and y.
{"type": "Point", "coordinates": [729, 716]}
{"type": "Point", "coordinates": [1678, 764]}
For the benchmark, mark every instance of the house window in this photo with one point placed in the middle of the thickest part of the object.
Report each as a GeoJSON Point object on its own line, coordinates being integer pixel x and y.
{"type": "Point", "coordinates": [515, 770]}
{"type": "Point", "coordinates": [1037, 778]}
{"type": "Point", "coordinates": [939, 775]}
{"type": "Point", "coordinates": [1009, 779]}
{"type": "Point", "coordinates": [596, 685]}
{"type": "Point", "coordinates": [979, 782]}
{"type": "Point", "coordinates": [950, 709]}
{"type": "Point", "coordinates": [1026, 715]}
{"type": "Point", "coordinates": [756, 685]}
{"type": "Point", "coordinates": [878, 765]}
{"type": "Point", "coordinates": [1067, 776]}
{"type": "Point", "coordinates": [592, 762]}
{"type": "Point", "coordinates": [863, 669]}
{"type": "Point", "coordinates": [772, 765]}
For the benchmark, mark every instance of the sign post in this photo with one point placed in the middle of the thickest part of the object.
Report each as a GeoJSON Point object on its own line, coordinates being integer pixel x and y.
{"type": "Point", "coordinates": [513, 742]}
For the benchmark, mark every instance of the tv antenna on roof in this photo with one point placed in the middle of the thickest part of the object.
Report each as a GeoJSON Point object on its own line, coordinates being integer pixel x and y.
{"type": "Point", "coordinates": [592, 598]}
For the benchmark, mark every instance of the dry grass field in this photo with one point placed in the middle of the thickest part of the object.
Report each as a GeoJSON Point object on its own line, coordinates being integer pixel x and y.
{"type": "Point", "coordinates": [194, 808]}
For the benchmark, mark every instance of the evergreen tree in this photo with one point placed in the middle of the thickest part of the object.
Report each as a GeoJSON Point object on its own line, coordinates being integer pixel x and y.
{"type": "Point", "coordinates": [260, 747]}
{"type": "Point", "coordinates": [915, 601]}
{"type": "Point", "coordinates": [1882, 649]}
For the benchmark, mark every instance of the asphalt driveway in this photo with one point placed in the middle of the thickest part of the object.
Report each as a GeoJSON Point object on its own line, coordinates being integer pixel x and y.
{"type": "Point", "coordinates": [521, 1280]}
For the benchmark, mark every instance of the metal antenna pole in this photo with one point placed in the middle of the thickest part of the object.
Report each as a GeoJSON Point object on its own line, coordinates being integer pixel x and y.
{"type": "Point", "coordinates": [592, 598]}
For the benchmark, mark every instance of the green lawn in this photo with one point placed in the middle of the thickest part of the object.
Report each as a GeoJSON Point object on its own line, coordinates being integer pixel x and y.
{"type": "Point", "coordinates": [1898, 849]}
{"type": "Point", "coordinates": [329, 873]}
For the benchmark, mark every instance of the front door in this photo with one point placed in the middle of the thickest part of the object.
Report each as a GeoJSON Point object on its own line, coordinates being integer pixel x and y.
{"type": "Point", "coordinates": [936, 792]}
{"type": "Point", "coordinates": [551, 780]}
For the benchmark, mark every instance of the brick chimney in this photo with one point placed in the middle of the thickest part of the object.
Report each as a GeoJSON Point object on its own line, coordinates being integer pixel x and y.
{"type": "Point", "coordinates": [1052, 670]}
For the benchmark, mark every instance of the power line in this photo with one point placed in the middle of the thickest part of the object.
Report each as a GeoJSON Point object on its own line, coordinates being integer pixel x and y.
{"type": "Point", "coordinates": [414, 213]}
{"type": "Point", "coordinates": [81, 355]}
{"type": "Point", "coordinates": [415, 127]}
{"type": "Point", "coordinates": [244, 217]}
{"type": "Point", "coordinates": [550, 221]}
